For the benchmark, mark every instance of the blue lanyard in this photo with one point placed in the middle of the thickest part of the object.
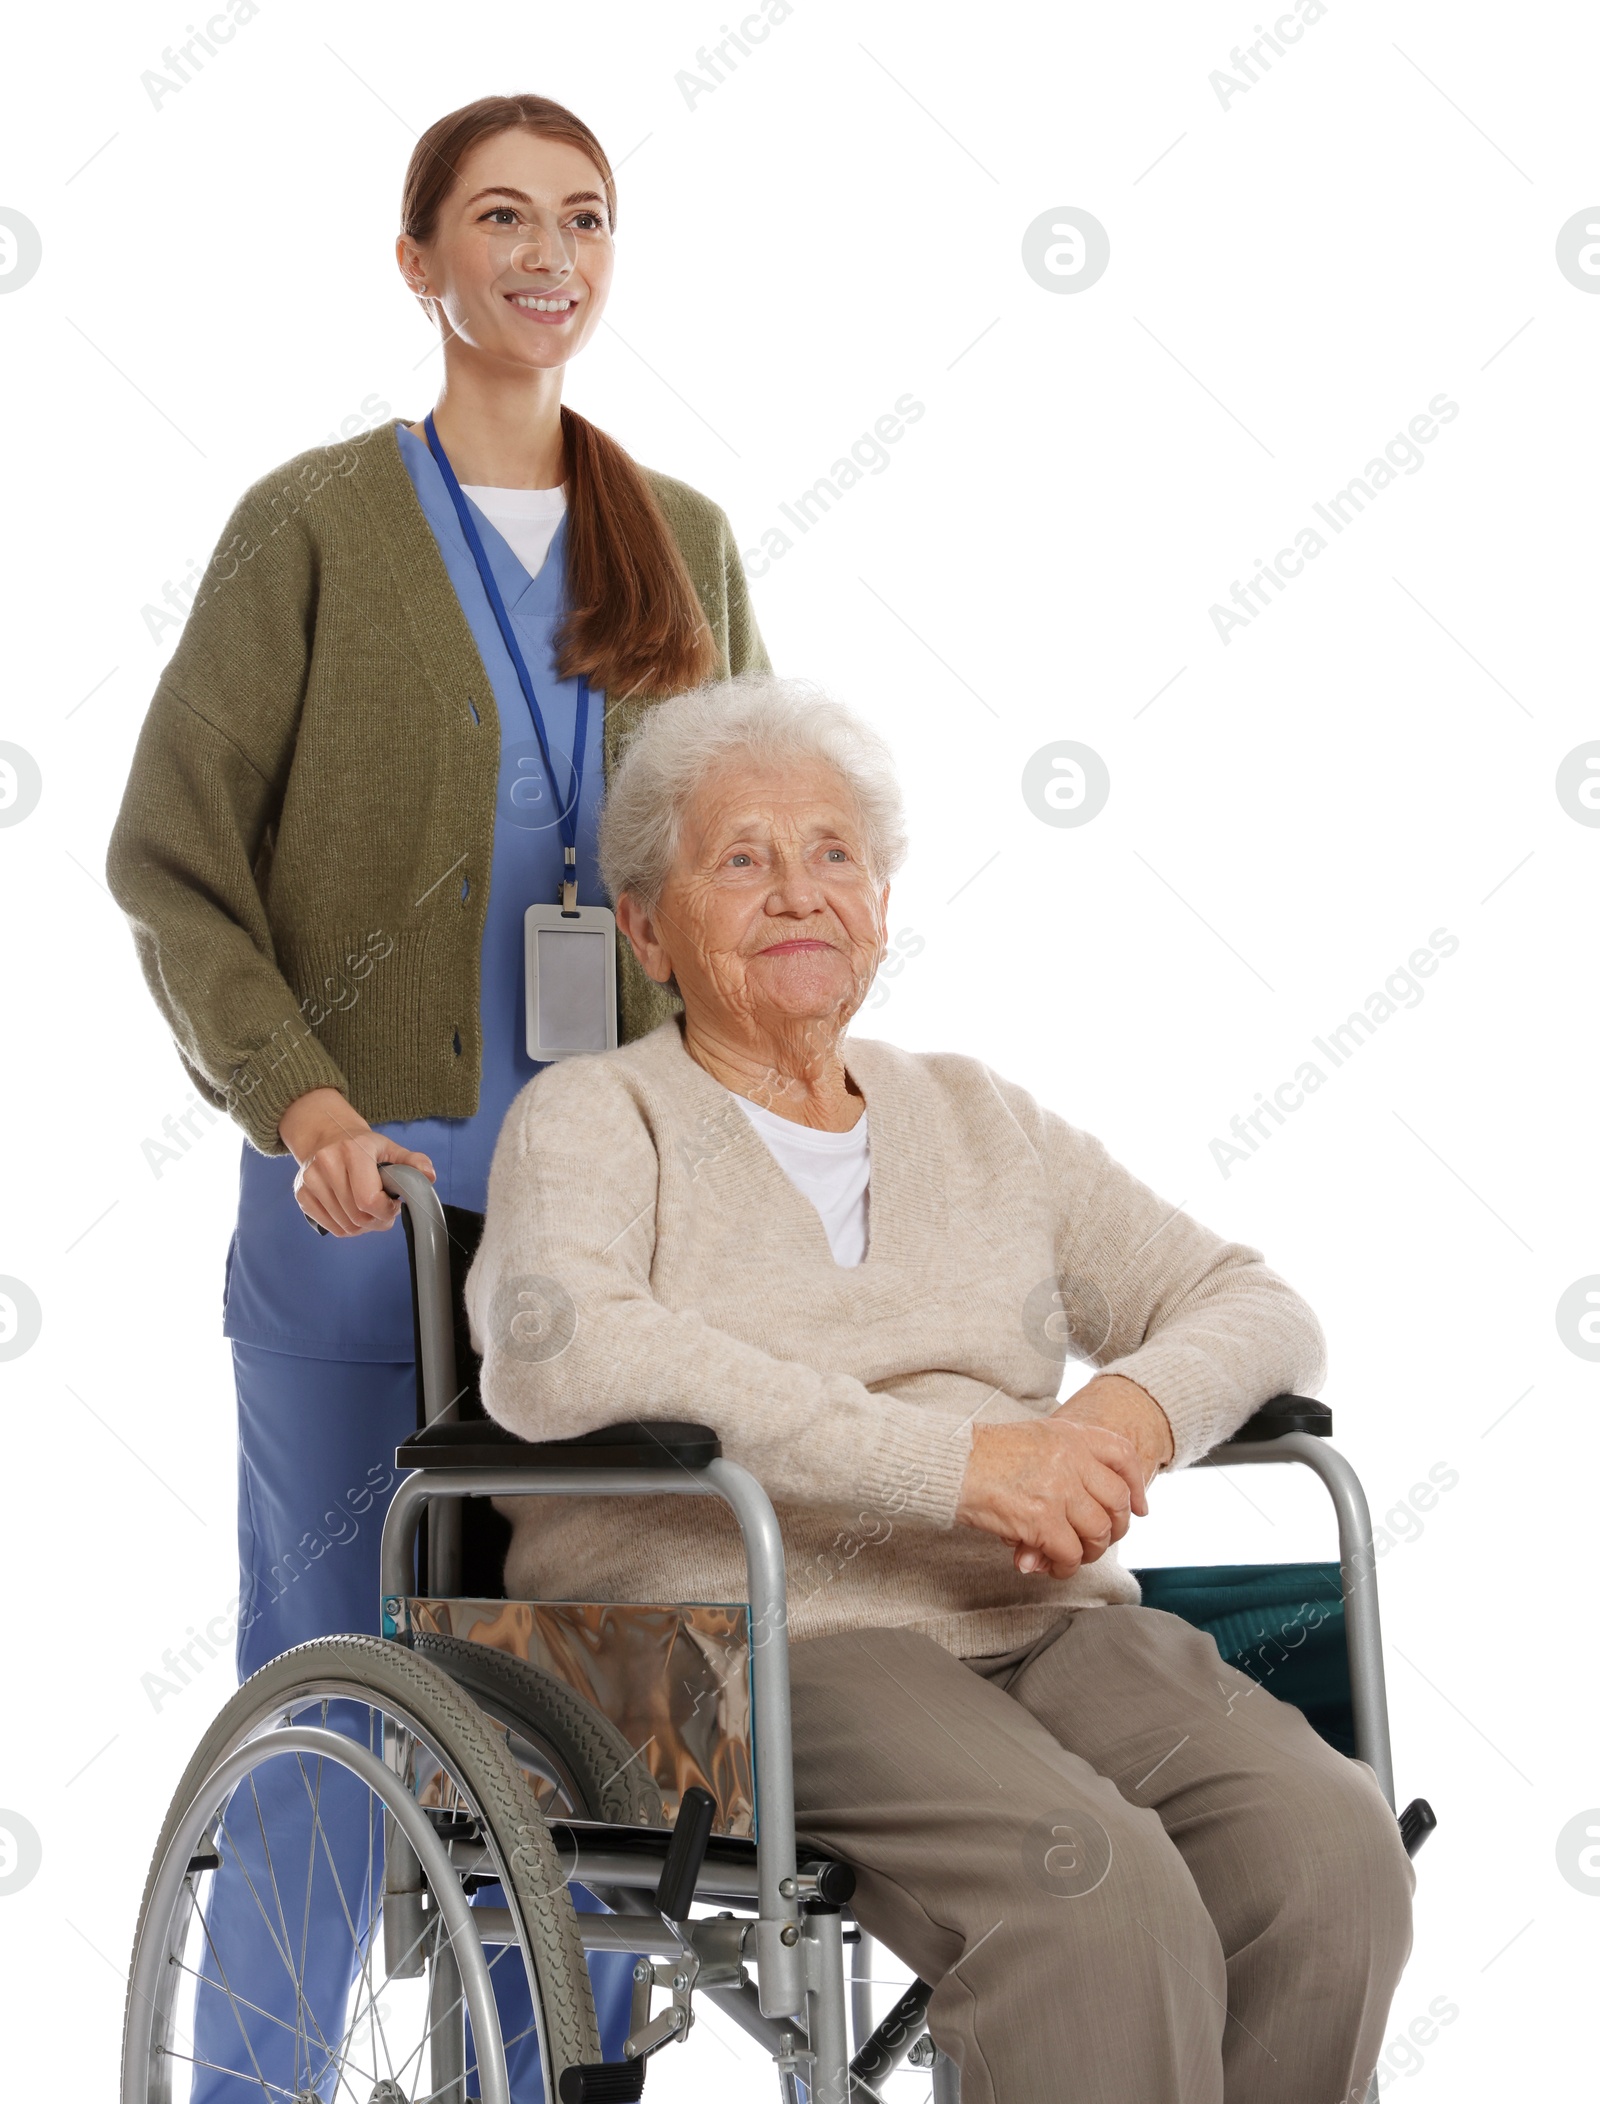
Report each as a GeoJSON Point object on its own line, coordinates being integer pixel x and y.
{"type": "Point", "coordinates": [568, 817]}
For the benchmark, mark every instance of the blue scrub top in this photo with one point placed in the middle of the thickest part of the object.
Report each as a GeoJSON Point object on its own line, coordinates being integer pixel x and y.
{"type": "Point", "coordinates": [349, 1297]}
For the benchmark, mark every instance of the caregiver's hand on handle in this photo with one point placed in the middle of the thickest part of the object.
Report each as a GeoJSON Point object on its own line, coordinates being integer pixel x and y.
{"type": "Point", "coordinates": [338, 1188]}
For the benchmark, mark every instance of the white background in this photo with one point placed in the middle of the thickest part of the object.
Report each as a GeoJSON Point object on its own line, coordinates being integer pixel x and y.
{"type": "Point", "coordinates": [840, 222]}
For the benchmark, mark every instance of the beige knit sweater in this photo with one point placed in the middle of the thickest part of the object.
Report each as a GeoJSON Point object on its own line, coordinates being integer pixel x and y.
{"type": "Point", "coordinates": [644, 1255]}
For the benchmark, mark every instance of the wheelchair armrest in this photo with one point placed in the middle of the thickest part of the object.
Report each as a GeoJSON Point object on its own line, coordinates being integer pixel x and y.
{"type": "Point", "coordinates": [1285, 1413]}
{"type": "Point", "coordinates": [661, 1443]}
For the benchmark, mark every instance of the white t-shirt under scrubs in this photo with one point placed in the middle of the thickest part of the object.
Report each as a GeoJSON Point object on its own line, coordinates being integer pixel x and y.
{"type": "Point", "coordinates": [528, 518]}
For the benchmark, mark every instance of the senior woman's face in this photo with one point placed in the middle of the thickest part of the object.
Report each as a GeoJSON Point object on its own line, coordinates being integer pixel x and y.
{"type": "Point", "coordinates": [770, 913]}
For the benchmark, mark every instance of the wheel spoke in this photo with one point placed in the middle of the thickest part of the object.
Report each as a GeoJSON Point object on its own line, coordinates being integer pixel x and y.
{"type": "Point", "coordinates": [373, 2026]}
{"type": "Point", "coordinates": [241, 2001]}
{"type": "Point", "coordinates": [304, 2013]}
{"type": "Point", "coordinates": [311, 1877]}
{"type": "Point", "coordinates": [300, 2011]}
{"type": "Point", "coordinates": [268, 2089]}
{"type": "Point", "coordinates": [238, 2001]}
{"type": "Point", "coordinates": [375, 2033]}
{"type": "Point", "coordinates": [233, 1999]}
{"type": "Point", "coordinates": [459, 2004]}
{"type": "Point", "coordinates": [225, 1836]}
{"type": "Point", "coordinates": [402, 2072]}
{"type": "Point", "coordinates": [361, 1946]}
{"type": "Point", "coordinates": [225, 1839]}
{"type": "Point", "coordinates": [371, 2004]}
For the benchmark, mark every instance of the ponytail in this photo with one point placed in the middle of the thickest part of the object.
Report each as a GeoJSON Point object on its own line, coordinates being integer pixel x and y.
{"type": "Point", "coordinates": [634, 619]}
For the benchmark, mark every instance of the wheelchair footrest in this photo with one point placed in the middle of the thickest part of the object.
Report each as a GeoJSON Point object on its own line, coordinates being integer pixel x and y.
{"type": "Point", "coordinates": [603, 2082]}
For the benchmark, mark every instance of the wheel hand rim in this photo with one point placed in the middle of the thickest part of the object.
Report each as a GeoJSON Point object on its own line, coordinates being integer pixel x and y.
{"type": "Point", "coordinates": [413, 1820]}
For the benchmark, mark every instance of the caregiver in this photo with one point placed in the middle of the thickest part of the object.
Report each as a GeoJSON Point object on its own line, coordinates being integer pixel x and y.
{"type": "Point", "coordinates": [348, 791]}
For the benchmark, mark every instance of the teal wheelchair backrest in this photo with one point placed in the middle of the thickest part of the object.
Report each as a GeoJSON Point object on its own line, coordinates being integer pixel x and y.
{"type": "Point", "coordinates": [1281, 1623]}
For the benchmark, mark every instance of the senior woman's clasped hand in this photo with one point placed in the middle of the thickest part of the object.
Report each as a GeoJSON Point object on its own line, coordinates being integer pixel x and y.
{"type": "Point", "coordinates": [772, 926]}
{"type": "Point", "coordinates": [1060, 1492]}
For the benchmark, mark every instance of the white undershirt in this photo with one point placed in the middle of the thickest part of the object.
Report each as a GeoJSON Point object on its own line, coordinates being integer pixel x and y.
{"type": "Point", "coordinates": [832, 1169]}
{"type": "Point", "coordinates": [528, 518]}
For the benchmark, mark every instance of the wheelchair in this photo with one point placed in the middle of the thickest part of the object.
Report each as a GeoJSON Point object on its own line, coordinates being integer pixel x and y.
{"type": "Point", "coordinates": [484, 1776]}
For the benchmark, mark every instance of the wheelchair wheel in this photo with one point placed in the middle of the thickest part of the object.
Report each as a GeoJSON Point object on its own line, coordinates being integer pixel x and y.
{"type": "Point", "coordinates": [306, 1925]}
{"type": "Point", "coordinates": [580, 1765]}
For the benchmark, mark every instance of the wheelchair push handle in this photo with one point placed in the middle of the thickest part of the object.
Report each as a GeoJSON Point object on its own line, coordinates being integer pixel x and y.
{"type": "Point", "coordinates": [430, 1271]}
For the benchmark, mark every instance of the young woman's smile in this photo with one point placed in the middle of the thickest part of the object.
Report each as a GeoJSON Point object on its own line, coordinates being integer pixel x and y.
{"type": "Point", "coordinates": [551, 312]}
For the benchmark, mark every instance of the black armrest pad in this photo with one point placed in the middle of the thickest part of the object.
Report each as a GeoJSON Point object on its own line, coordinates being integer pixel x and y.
{"type": "Point", "coordinates": [1286, 1413]}
{"type": "Point", "coordinates": [640, 1443]}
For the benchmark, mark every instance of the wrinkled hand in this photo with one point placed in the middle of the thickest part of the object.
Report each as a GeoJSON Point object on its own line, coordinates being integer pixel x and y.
{"type": "Point", "coordinates": [1058, 1492]}
{"type": "Point", "coordinates": [338, 1187]}
{"type": "Point", "coordinates": [1121, 1405]}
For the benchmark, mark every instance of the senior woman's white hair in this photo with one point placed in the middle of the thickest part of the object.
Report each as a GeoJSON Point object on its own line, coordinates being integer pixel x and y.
{"type": "Point", "coordinates": [758, 716]}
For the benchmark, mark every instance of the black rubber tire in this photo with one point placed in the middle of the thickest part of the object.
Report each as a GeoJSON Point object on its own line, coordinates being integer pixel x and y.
{"type": "Point", "coordinates": [369, 1668]}
{"type": "Point", "coordinates": [608, 1779]}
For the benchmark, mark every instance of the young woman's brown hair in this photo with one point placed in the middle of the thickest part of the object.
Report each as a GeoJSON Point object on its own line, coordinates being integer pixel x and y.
{"type": "Point", "coordinates": [634, 618]}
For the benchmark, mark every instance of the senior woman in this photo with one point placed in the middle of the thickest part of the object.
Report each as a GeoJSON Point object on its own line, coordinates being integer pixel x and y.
{"type": "Point", "coordinates": [1119, 1859]}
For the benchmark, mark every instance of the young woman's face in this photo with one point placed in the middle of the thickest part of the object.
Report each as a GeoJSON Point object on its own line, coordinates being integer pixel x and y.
{"type": "Point", "coordinates": [521, 258]}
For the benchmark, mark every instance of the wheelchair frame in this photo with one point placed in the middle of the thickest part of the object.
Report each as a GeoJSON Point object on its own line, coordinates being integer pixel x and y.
{"type": "Point", "coordinates": [797, 2010]}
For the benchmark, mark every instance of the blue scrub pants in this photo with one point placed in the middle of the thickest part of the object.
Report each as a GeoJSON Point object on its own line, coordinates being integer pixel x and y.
{"type": "Point", "coordinates": [316, 1473]}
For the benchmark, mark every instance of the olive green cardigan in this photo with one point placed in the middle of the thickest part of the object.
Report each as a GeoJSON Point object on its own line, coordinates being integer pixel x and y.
{"type": "Point", "coordinates": [315, 783]}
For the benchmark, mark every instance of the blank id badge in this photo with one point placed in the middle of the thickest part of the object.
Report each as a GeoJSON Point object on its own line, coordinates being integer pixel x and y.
{"type": "Point", "coordinates": [571, 980]}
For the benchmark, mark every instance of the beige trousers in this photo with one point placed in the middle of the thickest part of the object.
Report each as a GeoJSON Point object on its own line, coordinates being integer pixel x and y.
{"type": "Point", "coordinates": [1134, 1876]}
